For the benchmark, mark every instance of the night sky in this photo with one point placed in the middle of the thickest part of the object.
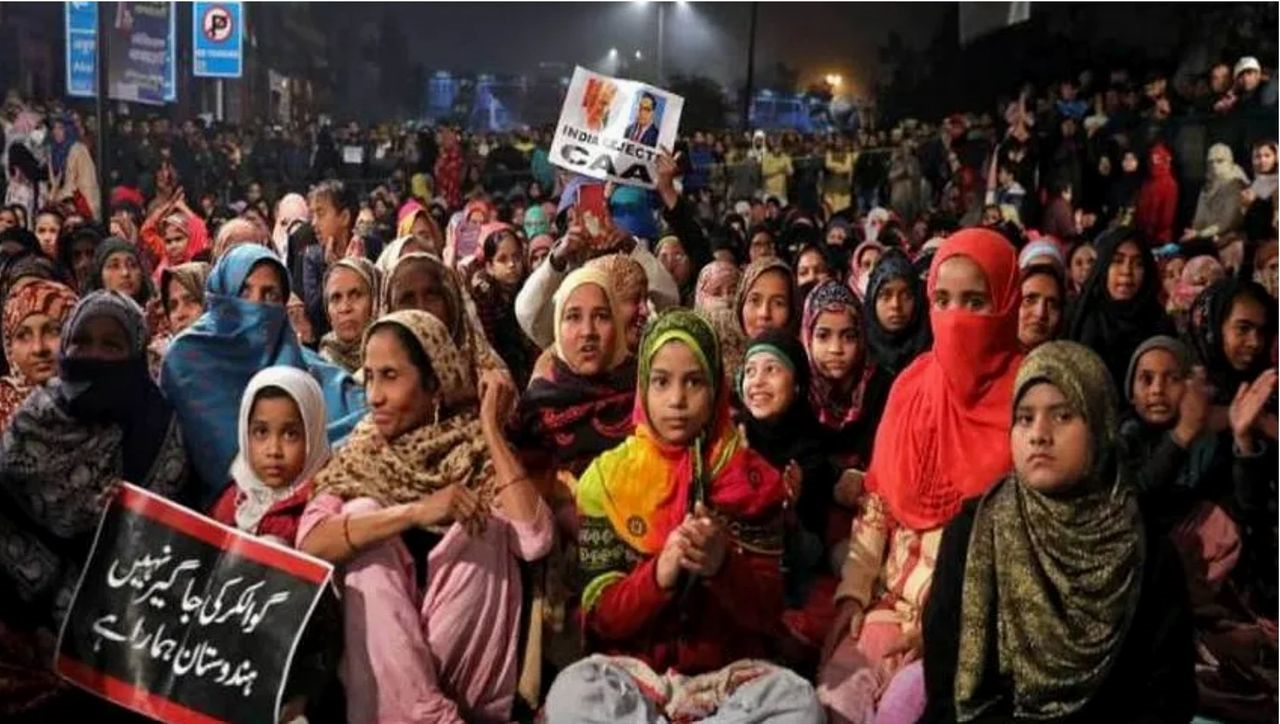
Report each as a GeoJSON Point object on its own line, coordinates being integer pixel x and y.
{"type": "Point", "coordinates": [814, 38]}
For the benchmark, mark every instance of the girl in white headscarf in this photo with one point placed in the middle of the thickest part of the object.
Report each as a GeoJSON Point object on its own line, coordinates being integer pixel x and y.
{"type": "Point", "coordinates": [282, 445]}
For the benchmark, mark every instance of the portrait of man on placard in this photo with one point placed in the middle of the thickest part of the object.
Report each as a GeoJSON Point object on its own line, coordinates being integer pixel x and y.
{"type": "Point", "coordinates": [597, 101]}
{"type": "Point", "coordinates": [645, 120]}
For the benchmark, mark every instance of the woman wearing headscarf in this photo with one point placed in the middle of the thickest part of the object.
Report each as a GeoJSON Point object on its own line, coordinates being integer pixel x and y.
{"type": "Point", "coordinates": [1158, 198]}
{"type": "Point", "coordinates": [176, 239]}
{"type": "Point", "coordinates": [766, 299]}
{"type": "Point", "coordinates": [72, 175]}
{"type": "Point", "coordinates": [352, 292]}
{"type": "Point", "coordinates": [861, 262]}
{"type": "Point", "coordinates": [896, 311]}
{"type": "Point", "coordinates": [848, 391]}
{"type": "Point", "coordinates": [574, 411]}
{"type": "Point", "coordinates": [290, 210]}
{"type": "Point", "coordinates": [1259, 200]}
{"type": "Point", "coordinates": [1266, 262]}
{"type": "Point", "coordinates": [494, 288]}
{"type": "Point", "coordinates": [243, 329]}
{"type": "Point", "coordinates": [1080, 260]}
{"type": "Point", "coordinates": [777, 422]}
{"type": "Point", "coordinates": [679, 525]}
{"type": "Point", "coordinates": [118, 266]}
{"type": "Point", "coordinates": [944, 438]}
{"type": "Point", "coordinates": [33, 319]}
{"type": "Point", "coordinates": [422, 281]}
{"type": "Point", "coordinates": [99, 422]}
{"type": "Point", "coordinates": [1044, 297]}
{"type": "Point", "coordinates": [1090, 605]}
{"type": "Point", "coordinates": [182, 301]}
{"type": "Point", "coordinates": [1119, 305]}
{"type": "Point", "coordinates": [427, 510]}
{"type": "Point", "coordinates": [1218, 209]}
{"type": "Point", "coordinates": [1196, 276]}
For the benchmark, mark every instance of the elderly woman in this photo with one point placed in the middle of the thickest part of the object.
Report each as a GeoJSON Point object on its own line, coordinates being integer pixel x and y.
{"type": "Point", "coordinates": [352, 292]}
{"type": "Point", "coordinates": [1052, 601]}
{"type": "Point", "coordinates": [182, 301]}
{"type": "Point", "coordinates": [99, 422]}
{"type": "Point", "coordinates": [243, 330]}
{"type": "Point", "coordinates": [428, 511]}
{"type": "Point", "coordinates": [33, 318]}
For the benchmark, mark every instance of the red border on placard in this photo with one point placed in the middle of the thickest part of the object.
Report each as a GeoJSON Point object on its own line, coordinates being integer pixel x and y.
{"type": "Point", "coordinates": [181, 519]}
{"type": "Point", "coordinates": [120, 691]}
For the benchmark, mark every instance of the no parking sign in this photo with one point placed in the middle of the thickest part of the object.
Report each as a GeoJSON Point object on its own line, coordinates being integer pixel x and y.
{"type": "Point", "coordinates": [218, 39]}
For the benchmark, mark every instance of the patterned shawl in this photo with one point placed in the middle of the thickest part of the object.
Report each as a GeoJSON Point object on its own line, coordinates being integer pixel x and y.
{"type": "Point", "coordinates": [634, 495]}
{"type": "Point", "coordinates": [1052, 582]}
{"type": "Point", "coordinates": [51, 299]}
{"type": "Point", "coordinates": [430, 457]}
{"type": "Point", "coordinates": [97, 423]}
{"type": "Point", "coordinates": [350, 355]}
{"type": "Point", "coordinates": [834, 408]}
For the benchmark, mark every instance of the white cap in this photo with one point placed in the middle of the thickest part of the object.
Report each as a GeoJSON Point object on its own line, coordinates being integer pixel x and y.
{"type": "Point", "coordinates": [1248, 62]}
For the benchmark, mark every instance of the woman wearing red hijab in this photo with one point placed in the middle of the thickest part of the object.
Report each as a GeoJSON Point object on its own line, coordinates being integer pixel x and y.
{"type": "Point", "coordinates": [1158, 198]}
{"type": "Point", "coordinates": [944, 438]}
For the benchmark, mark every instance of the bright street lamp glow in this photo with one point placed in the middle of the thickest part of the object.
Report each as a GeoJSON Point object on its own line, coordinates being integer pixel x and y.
{"type": "Point", "coordinates": [833, 80]}
{"type": "Point", "coordinates": [613, 52]}
{"type": "Point", "coordinates": [639, 56]}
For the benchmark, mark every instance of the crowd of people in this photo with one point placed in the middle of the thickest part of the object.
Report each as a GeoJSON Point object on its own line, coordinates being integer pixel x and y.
{"type": "Point", "coordinates": [966, 421]}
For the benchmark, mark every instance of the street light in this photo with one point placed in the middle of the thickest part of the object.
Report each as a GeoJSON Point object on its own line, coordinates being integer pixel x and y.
{"type": "Point", "coordinates": [833, 80]}
{"type": "Point", "coordinates": [639, 56]}
{"type": "Point", "coordinates": [613, 53]}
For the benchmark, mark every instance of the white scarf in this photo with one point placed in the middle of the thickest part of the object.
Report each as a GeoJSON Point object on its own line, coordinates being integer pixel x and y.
{"type": "Point", "coordinates": [255, 497]}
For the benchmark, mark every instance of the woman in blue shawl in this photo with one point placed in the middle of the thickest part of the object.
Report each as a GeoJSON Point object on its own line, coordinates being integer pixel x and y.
{"type": "Point", "coordinates": [209, 365]}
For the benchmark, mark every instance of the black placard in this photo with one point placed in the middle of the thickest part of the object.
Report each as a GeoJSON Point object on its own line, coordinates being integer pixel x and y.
{"type": "Point", "coordinates": [182, 619]}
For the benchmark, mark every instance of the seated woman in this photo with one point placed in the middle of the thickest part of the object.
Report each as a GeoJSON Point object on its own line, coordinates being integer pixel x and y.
{"type": "Point", "coordinates": [779, 424]}
{"type": "Point", "coordinates": [1052, 601]}
{"type": "Point", "coordinates": [352, 290]}
{"type": "Point", "coordinates": [896, 313]}
{"type": "Point", "coordinates": [579, 408]}
{"type": "Point", "coordinates": [33, 318]}
{"type": "Point", "coordinates": [861, 263]}
{"type": "Point", "coordinates": [427, 509]}
{"type": "Point", "coordinates": [944, 437]}
{"type": "Point", "coordinates": [680, 525]}
{"type": "Point", "coordinates": [117, 266]}
{"type": "Point", "coordinates": [1233, 331]}
{"type": "Point", "coordinates": [849, 391]}
{"type": "Point", "coordinates": [242, 331]}
{"type": "Point", "coordinates": [716, 290]}
{"type": "Point", "coordinates": [282, 446]}
{"type": "Point", "coordinates": [1044, 294]}
{"type": "Point", "coordinates": [71, 442]}
{"type": "Point", "coordinates": [494, 288]}
{"type": "Point", "coordinates": [182, 299]}
{"type": "Point", "coordinates": [1119, 305]}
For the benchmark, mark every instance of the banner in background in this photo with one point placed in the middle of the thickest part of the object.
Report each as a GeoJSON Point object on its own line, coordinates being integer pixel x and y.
{"type": "Point", "coordinates": [183, 619]}
{"type": "Point", "coordinates": [142, 66]}
{"type": "Point", "coordinates": [611, 128]}
{"type": "Point", "coordinates": [217, 39]}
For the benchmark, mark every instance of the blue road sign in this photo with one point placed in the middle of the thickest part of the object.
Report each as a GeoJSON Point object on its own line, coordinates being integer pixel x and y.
{"type": "Point", "coordinates": [217, 37]}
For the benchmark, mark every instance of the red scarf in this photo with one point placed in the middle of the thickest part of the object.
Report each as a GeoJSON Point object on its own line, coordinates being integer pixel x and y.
{"type": "Point", "coordinates": [945, 432]}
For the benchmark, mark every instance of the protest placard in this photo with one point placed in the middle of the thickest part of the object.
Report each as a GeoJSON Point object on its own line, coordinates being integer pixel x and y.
{"type": "Point", "coordinates": [610, 128]}
{"type": "Point", "coordinates": [181, 618]}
